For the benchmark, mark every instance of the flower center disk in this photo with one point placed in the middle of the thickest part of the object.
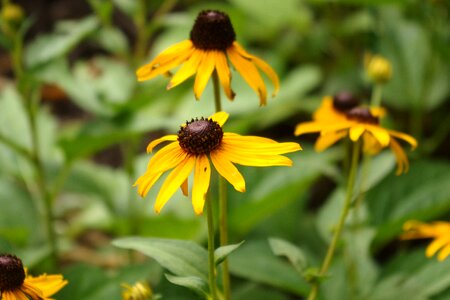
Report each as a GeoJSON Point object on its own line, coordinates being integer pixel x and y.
{"type": "Point", "coordinates": [345, 101]}
{"type": "Point", "coordinates": [212, 31]}
{"type": "Point", "coordinates": [363, 115]}
{"type": "Point", "coordinates": [12, 273]}
{"type": "Point", "coordinates": [200, 136]}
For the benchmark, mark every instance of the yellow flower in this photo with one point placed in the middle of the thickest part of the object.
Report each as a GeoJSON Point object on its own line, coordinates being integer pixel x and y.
{"type": "Point", "coordinates": [15, 284]}
{"type": "Point", "coordinates": [197, 142]}
{"type": "Point", "coordinates": [332, 109]}
{"type": "Point", "coordinates": [138, 291]}
{"type": "Point", "coordinates": [378, 68]}
{"type": "Point", "coordinates": [439, 231]}
{"type": "Point", "coordinates": [212, 40]}
{"type": "Point", "coordinates": [360, 122]}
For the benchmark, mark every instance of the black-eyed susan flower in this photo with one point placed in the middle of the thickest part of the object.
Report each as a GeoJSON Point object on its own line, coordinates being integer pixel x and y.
{"type": "Point", "coordinates": [139, 291]}
{"type": "Point", "coordinates": [16, 284]}
{"type": "Point", "coordinates": [198, 142]}
{"type": "Point", "coordinates": [438, 231]}
{"type": "Point", "coordinates": [212, 43]}
{"type": "Point", "coordinates": [360, 123]}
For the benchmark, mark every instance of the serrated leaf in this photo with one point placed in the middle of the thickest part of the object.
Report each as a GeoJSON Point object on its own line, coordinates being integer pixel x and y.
{"type": "Point", "coordinates": [293, 253]}
{"type": "Point", "coordinates": [182, 258]}
{"type": "Point", "coordinates": [194, 283]}
{"type": "Point", "coordinates": [222, 252]}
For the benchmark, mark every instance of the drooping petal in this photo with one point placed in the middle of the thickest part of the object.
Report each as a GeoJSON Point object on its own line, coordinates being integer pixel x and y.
{"type": "Point", "coordinates": [204, 72]}
{"type": "Point", "coordinates": [202, 175]}
{"type": "Point", "coordinates": [356, 132]}
{"type": "Point", "coordinates": [371, 144]}
{"type": "Point", "coordinates": [327, 140]}
{"type": "Point", "coordinates": [407, 138]}
{"type": "Point", "coordinates": [444, 253]}
{"type": "Point", "coordinates": [173, 182]}
{"type": "Point", "coordinates": [227, 170]}
{"type": "Point", "coordinates": [249, 72]}
{"type": "Point", "coordinates": [188, 69]}
{"type": "Point", "coordinates": [402, 159]}
{"type": "Point", "coordinates": [262, 65]}
{"type": "Point", "coordinates": [381, 134]}
{"type": "Point", "coordinates": [169, 53]}
{"type": "Point", "coordinates": [223, 71]}
{"type": "Point", "coordinates": [437, 244]}
{"type": "Point", "coordinates": [154, 143]}
{"type": "Point", "coordinates": [152, 70]}
{"type": "Point", "coordinates": [220, 117]}
{"type": "Point", "coordinates": [185, 187]}
{"type": "Point", "coordinates": [255, 144]}
{"type": "Point", "coordinates": [145, 182]}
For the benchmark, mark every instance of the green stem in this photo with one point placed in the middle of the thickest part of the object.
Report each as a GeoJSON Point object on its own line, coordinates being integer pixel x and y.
{"type": "Point", "coordinates": [340, 225]}
{"type": "Point", "coordinates": [16, 147]}
{"type": "Point", "coordinates": [375, 100]}
{"type": "Point", "coordinates": [211, 248]}
{"type": "Point", "coordinates": [223, 203]}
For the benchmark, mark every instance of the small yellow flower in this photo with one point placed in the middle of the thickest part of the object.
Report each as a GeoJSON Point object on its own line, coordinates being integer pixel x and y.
{"type": "Point", "coordinates": [212, 41]}
{"type": "Point", "coordinates": [378, 68]}
{"type": "Point", "coordinates": [439, 231]}
{"type": "Point", "coordinates": [360, 122]}
{"type": "Point", "coordinates": [139, 291]}
{"type": "Point", "coordinates": [197, 142]}
{"type": "Point", "coordinates": [15, 284]}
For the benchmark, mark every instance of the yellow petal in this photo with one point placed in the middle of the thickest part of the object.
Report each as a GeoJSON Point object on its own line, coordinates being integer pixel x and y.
{"type": "Point", "coordinates": [154, 143]}
{"type": "Point", "coordinates": [308, 127]}
{"type": "Point", "coordinates": [204, 72]}
{"type": "Point", "coordinates": [48, 284]}
{"type": "Point", "coordinates": [412, 141]}
{"type": "Point", "coordinates": [255, 144]}
{"type": "Point", "coordinates": [184, 187]}
{"type": "Point", "coordinates": [444, 253]}
{"type": "Point", "coordinates": [381, 134]}
{"type": "Point", "coordinates": [187, 70]}
{"type": "Point", "coordinates": [402, 160]}
{"type": "Point", "coordinates": [173, 51]}
{"type": "Point", "coordinates": [145, 182]}
{"type": "Point", "coordinates": [223, 71]}
{"type": "Point", "coordinates": [14, 295]}
{"type": "Point", "coordinates": [253, 159]}
{"type": "Point", "coordinates": [262, 65]}
{"type": "Point", "coordinates": [220, 117]}
{"type": "Point", "coordinates": [202, 175]}
{"type": "Point", "coordinates": [173, 182]}
{"type": "Point", "coordinates": [356, 132]}
{"type": "Point", "coordinates": [166, 158]}
{"type": "Point", "coordinates": [436, 245]}
{"type": "Point", "coordinates": [228, 171]}
{"type": "Point", "coordinates": [327, 140]}
{"type": "Point", "coordinates": [249, 72]}
{"type": "Point", "coordinates": [152, 70]}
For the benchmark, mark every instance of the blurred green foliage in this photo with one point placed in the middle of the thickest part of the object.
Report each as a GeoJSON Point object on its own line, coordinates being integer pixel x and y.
{"type": "Point", "coordinates": [92, 155]}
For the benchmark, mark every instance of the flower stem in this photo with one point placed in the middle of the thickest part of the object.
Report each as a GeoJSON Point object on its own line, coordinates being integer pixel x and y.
{"type": "Point", "coordinates": [211, 261]}
{"type": "Point", "coordinates": [375, 100]}
{"type": "Point", "coordinates": [340, 225]}
{"type": "Point", "coordinates": [223, 203]}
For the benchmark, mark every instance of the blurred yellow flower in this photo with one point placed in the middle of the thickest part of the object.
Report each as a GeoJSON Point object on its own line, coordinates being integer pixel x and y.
{"type": "Point", "coordinates": [212, 40]}
{"type": "Point", "coordinates": [16, 284]}
{"type": "Point", "coordinates": [378, 68]}
{"type": "Point", "coordinates": [198, 141]}
{"type": "Point", "coordinates": [139, 291]}
{"type": "Point", "coordinates": [332, 109]}
{"type": "Point", "coordinates": [359, 122]}
{"type": "Point", "coordinates": [438, 231]}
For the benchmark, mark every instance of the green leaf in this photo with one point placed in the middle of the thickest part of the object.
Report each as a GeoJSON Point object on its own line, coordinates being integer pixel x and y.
{"type": "Point", "coordinates": [222, 252]}
{"type": "Point", "coordinates": [54, 45]}
{"type": "Point", "coordinates": [293, 253]}
{"type": "Point", "coordinates": [182, 258]}
{"type": "Point", "coordinates": [422, 193]}
{"type": "Point", "coordinates": [194, 283]}
{"type": "Point", "coordinates": [255, 261]}
{"type": "Point", "coordinates": [112, 39]}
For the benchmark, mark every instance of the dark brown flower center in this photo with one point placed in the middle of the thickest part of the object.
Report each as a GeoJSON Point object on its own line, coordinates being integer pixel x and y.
{"type": "Point", "coordinates": [212, 31]}
{"type": "Point", "coordinates": [344, 101]}
{"type": "Point", "coordinates": [12, 273]}
{"type": "Point", "coordinates": [200, 136]}
{"type": "Point", "coordinates": [363, 115]}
